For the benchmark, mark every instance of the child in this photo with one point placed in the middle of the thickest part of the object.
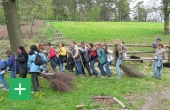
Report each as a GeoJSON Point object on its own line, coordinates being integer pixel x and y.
{"type": "Point", "coordinates": [101, 58]}
{"type": "Point", "coordinates": [92, 58]}
{"type": "Point", "coordinates": [76, 58]}
{"type": "Point", "coordinates": [11, 63]}
{"type": "Point", "coordinates": [62, 56]}
{"type": "Point", "coordinates": [43, 51]}
{"type": "Point", "coordinates": [33, 68]}
{"type": "Point", "coordinates": [109, 59]}
{"type": "Point", "coordinates": [2, 72]}
{"type": "Point", "coordinates": [119, 49]}
{"type": "Point", "coordinates": [159, 56]}
{"type": "Point", "coordinates": [52, 55]}
{"type": "Point", "coordinates": [85, 58]}
{"type": "Point", "coordinates": [22, 62]}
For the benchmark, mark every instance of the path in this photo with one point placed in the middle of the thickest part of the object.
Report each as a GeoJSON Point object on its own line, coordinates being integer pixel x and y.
{"type": "Point", "coordinates": [157, 100]}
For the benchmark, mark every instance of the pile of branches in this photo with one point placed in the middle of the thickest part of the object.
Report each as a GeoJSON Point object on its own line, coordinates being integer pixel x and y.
{"type": "Point", "coordinates": [131, 71]}
{"type": "Point", "coordinates": [60, 81]}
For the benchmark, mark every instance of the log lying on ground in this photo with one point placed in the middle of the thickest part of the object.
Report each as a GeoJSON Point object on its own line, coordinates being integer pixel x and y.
{"type": "Point", "coordinates": [131, 72]}
{"type": "Point", "coordinates": [101, 97]}
{"type": "Point", "coordinates": [80, 106]}
{"type": "Point", "coordinates": [119, 102]}
{"type": "Point", "coordinates": [59, 81]}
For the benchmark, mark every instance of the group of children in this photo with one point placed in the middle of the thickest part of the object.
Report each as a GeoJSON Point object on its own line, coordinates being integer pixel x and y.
{"type": "Point", "coordinates": [82, 59]}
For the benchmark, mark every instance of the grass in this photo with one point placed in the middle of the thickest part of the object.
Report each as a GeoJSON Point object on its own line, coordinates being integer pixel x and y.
{"type": "Point", "coordinates": [129, 32]}
{"type": "Point", "coordinates": [85, 87]}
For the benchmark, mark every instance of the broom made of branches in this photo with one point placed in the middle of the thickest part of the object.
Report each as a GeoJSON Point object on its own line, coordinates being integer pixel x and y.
{"type": "Point", "coordinates": [59, 81]}
{"type": "Point", "coordinates": [131, 72]}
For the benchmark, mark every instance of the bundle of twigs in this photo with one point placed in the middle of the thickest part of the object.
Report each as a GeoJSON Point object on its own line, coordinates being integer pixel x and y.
{"type": "Point", "coordinates": [131, 72]}
{"type": "Point", "coordinates": [59, 81]}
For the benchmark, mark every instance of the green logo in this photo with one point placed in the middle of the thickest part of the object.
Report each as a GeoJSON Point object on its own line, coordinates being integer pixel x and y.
{"type": "Point", "coordinates": [20, 89]}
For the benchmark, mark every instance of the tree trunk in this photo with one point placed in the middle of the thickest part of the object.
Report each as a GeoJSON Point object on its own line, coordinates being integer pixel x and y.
{"type": "Point", "coordinates": [166, 16]}
{"type": "Point", "coordinates": [13, 26]}
{"type": "Point", "coordinates": [166, 23]}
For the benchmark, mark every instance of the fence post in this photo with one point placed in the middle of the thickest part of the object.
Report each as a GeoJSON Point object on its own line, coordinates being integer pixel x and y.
{"type": "Point", "coordinates": [169, 53]}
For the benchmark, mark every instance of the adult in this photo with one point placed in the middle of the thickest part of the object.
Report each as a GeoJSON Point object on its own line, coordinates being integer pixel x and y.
{"type": "Point", "coordinates": [84, 55]}
{"type": "Point", "coordinates": [22, 62]}
{"type": "Point", "coordinates": [109, 60]}
{"type": "Point", "coordinates": [33, 68]}
{"type": "Point", "coordinates": [155, 44]}
{"type": "Point", "coordinates": [52, 55]}
{"type": "Point", "coordinates": [76, 58]}
{"type": "Point", "coordinates": [119, 50]}
{"type": "Point", "coordinates": [101, 58]}
{"type": "Point", "coordinates": [158, 64]}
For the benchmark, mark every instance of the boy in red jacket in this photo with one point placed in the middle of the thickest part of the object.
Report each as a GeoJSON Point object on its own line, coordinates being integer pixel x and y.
{"type": "Point", "coordinates": [53, 57]}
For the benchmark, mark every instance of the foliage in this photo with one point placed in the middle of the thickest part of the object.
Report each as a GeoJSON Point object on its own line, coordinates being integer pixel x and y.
{"type": "Point", "coordinates": [35, 9]}
{"type": "Point", "coordinates": [2, 18]}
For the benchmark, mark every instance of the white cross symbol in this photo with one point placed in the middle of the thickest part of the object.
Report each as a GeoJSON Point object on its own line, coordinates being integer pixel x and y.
{"type": "Point", "coordinates": [19, 88]}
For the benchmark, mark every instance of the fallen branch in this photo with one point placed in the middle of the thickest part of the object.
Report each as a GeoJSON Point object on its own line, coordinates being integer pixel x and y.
{"type": "Point", "coordinates": [101, 97]}
{"type": "Point", "coordinates": [119, 102]}
{"type": "Point", "coordinates": [80, 106]}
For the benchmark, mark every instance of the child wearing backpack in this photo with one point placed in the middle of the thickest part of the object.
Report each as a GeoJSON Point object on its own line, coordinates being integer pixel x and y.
{"type": "Point", "coordinates": [35, 65]}
{"type": "Point", "coordinates": [101, 58]}
{"type": "Point", "coordinates": [2, 73]}
{"type": "Point", "coordinates": [62, 57]}
{"type": "Point", "coordinates": [92, 58]}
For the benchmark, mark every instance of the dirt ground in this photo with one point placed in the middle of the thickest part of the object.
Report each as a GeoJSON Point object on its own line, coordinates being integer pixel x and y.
{"type": "Point", "coordinates": [25, 28]}
{"type": "Point", "coordinates": [157, 100]}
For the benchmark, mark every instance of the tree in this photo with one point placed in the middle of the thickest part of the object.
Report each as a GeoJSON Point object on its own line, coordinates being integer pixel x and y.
{"type": "Point", "coordinates": [123, 10]}
{"type": "Point", "coordinates": [13, 26]}
{"type": "Point", "coordinates": [166, 11]}
{"type": "Point", "coordinates": [140, 12]}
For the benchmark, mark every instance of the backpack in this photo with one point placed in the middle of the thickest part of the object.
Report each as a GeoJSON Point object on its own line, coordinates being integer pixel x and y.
{"type": "Point", "coordinates": [38, 60]}
{"type": "Point", "coordinates": [92, 54]}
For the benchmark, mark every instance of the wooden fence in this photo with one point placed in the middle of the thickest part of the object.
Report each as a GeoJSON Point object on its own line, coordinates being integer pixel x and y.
{"type": "Point", "coordinates": [58, 38]}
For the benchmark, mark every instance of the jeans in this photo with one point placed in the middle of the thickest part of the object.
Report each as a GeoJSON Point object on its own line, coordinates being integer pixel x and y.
{"type": "Point", "coordinates": [107, 68]}
{"type": "Point", "coordinates": [86, 65]}
{"type": "Point", "coordinates": [101, 69]}
{"type": "Point", "coordinates": [78, 68]}
{"type": "Point", "coordinates": [34, 79]}
{"type": "Point", "coordinates": [157, 70]}
{"type": "Point", "coordinates": [3, 80]}
{"type": "Point", "coordinates": [118, 62]}
{"type": "Point", "coordinates": [45, 68]}
{"type": "Point", "coordinates": [61, 67]}
{"type": "Point", "coordinates": [93, 68]}
{"type": "Point", "coordinates": [54, 62]}
{"type": "Point", "coordinates": [12, 74]}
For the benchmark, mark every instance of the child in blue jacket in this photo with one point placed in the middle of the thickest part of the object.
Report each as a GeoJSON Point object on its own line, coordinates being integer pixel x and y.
{"type": "Point", "coordinates": [33, 68]}
{"type": "Point", "coordinates": [2, 72]}
{"type": "Point", "coordinates": [11, 63]}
